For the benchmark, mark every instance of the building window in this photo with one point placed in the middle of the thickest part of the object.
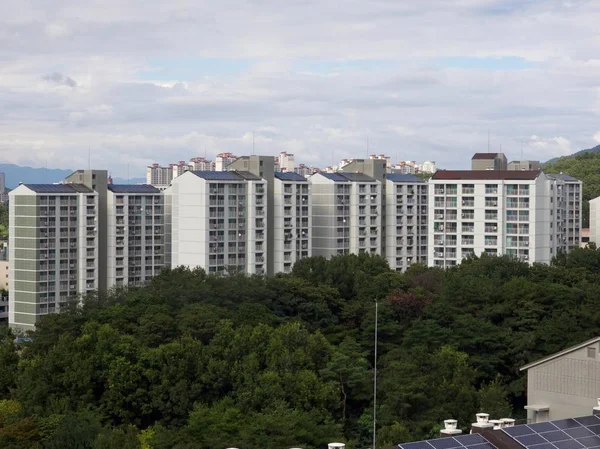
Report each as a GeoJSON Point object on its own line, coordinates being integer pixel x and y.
{"type": "Point", "coordinates": [591, 353]}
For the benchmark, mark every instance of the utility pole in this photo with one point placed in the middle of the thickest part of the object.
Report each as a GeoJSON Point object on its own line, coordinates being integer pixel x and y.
{"type": "Point", "coordinates": [375, 382]}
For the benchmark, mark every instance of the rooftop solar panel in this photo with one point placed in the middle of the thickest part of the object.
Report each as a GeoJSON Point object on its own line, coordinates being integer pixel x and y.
{"type": "Point", "coordinates": [542, 427]}
{"type": "Point", "coordinates": [578, 432]}
{"type": "Point", "coordinates": [566, 423]}
{"type": "Point", "coordinates": [218, 175]}
{"type": "Point", "coordinates": [399, 177]}
{"type": "Point", "coordinates": [542, 446]}
{"type": "Point", "coordinates": [445, 443]}
{"type": "Point", "coordinates": [518, 431]}
{"type": "Point", "coordinates": [588, 420]}
{"type": "Point", "coordinates": [132, 188]}
{"type": "Point", "coordinates": [290, 176]}
{"type": "Point", "coordinates": [530, 440]}
{"type": "Point", "coordinates": [334, 177]}
{"type": "Point", "coordinates": [568, 444]}
{"type": "Point", "coordinates": [470, 439]}
{"type": "Point", "coordinates": [592, 441]}
{"type": "Point", "coordinates": [595, 429]}
{"type": "Point", "coordinates": [556, 435]}
{"type": "Point", "coordinates": [357, 177]}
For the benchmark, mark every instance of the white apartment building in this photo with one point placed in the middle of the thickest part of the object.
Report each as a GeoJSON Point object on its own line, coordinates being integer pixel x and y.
{"type": "Point", "coordinates": [406, 210]}
{"type": "Point", "coordinates": [201, 164]}
{"type": "Point", "coordinates": [53, 248]}
{"type": "Point", "coordinates": [217, 221]}
{"type": "Point", "coordinates": [159, 176]}
{"type": "Point", "coordinates": [346, 214]}
{"type": "Point", "coordinates": [492, 211]}
{"type": "Point", "coordinates": [292, 221]}
{"type": "Point", "coordinates": [286, 162]}
{"type": "Point", "coordinates": [427, 167]}
{"type": "Point", "coordinates": [223, 160]}
{"type": "Point", "coordinates": [136, 235]}
{"type": "Point", "coordinates": [179, 168]}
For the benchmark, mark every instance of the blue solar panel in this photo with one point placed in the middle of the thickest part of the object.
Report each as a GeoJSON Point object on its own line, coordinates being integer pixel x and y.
{"type": "Point", "coordinates": [542, 427]}
{"type": "Point", "coordinates": [557, 435]}
{"type": "Point", "coordinates": [566, 423]}
{"type": "Point", "coordinates": [530, 440]}
{"type": "Point", "coordinates": [518, 431]}
{"type": "Point", "coordinates": [444, 443]}
{"type": "Point", "coordinates": [542, 446]}
{"type": "Point", "coordinates": [578, 432]}
{"type": "Point", "coordinates": [590, 441]}
{"type": "Point", "coordinates": [470, 439]}
{"type": "Point", "coordinates": [416, 445]}
{"type": "Point", "coordinates": [285, 176]}
{"type": "Point", "coordinates": [595, 429]}
{"type": "Point", "coordinates": [568, 444]}
{"type": "Point", "coordinates": [483, 446]}
{"type": "Point", "coordinates": [218, 175]}
{"type": "Point", "coordinates": [132, 188]}
{"type": "Point", "coordinates": [334, 177]}
{"type": "Point", "coordinates": [588, 420]}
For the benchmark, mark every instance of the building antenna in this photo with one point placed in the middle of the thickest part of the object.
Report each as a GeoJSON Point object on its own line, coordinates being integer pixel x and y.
{"type": "Point", "coordinates": [252, 142]}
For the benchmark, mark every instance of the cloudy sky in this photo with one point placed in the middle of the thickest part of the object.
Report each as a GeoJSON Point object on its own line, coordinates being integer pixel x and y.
{"type": "Point", "coordinates": [142, 81]}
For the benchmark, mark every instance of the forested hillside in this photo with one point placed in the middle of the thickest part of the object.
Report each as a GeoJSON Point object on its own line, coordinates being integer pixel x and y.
{"type": "Point", "coordinates": [584, 166]}
{"type": "Point", "coordinates": [200, 362]}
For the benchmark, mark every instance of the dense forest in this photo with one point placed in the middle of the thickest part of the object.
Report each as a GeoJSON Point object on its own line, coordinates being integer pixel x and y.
{"type": "Point", "coordinates": [193, 361]}
{"type": "Point", "coordinates": [584, 166]}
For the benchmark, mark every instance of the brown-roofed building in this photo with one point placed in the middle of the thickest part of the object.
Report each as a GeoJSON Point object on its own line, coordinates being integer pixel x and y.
{"type": "Point", "coordinates": [489, 161]}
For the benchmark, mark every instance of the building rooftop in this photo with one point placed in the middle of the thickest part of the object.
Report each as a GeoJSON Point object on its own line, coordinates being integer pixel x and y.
{"type": "Point", "coordinates": [474, 175]}
{"type": "Point", "coordinates": [226, 175]}
{"type": "Point", "coordinates": [561, 353]}
{"type": "Point", "coordinates": [399, 177]}
{"type": "Point", "coordinates": [485, 156]}
{"type": "Point", "coordinates": [570, 433]}
{"type": "Point", "coordinates": [132, 188]}
{"type": "Point", "coordinates": [357, 177]}
{"type": "Point", "coordinates": [336, 177]}
{"type": "Point", "coordinates": [562, 177]}
{"type": "Point", "coordinates": [59, 188]}
{"type": "Point", "coordinates": [286, 176]}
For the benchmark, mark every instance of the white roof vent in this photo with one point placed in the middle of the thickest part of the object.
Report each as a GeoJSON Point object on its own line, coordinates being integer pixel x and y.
{"type": "Point", "coordinates": [497, 423]}
{"type": "Point", "coordinates": [507, 422]}
{"type": "Point", "coordinates": [482, 418]}
{"type": "Point", "coordinates": [450, 424]}
{"type": "Point", "coordinates": [336, 446]}
{"type": "Point", "coordinates": [450, 428]}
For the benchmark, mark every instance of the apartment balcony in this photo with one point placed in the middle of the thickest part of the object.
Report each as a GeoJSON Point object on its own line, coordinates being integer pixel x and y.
{"type": "Point", "coordinates": [491, 204]}
{"type": "Point", "coordinates": [491, 229]}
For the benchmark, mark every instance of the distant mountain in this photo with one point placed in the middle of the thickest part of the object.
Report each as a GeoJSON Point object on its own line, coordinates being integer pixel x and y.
{"type": "Point", "coordinates": [596, 149]}
{"type": "Point", "coordinates": [28, 175]}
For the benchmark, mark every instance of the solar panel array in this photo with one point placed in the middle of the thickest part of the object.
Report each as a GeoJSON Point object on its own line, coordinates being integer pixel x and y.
{"type": "Point", "coordinates": [471, 441]}
{"type": "Point", "coordinates": [400, 177]}
{"type": "Point", "coordinates": [132, 188]}
{"type": "Point", "coordinates": [288, 176]}
{"type": "Point", "coordinates": [218, 175]}
{"type": "Point", "coordinates": [572, 433]}
{"type": "Point", "coordinates": [59, 188]}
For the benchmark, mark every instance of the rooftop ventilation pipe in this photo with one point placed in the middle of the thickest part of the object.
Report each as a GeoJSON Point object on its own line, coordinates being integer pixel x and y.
{"type": "Point", "coordinates": [336, 446]}
{"type": "Point", "coordinates": [497, 423]}
{"type": "Point", "coordinates": [507, 422]}
{"type": "Point", "coordinates": [450, 428]}
{"type": "Point", "coordinates": [483, 422]}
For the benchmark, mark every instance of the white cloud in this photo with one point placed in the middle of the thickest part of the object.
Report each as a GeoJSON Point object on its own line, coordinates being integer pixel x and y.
{"type": "Point", "coordinates": [76, 77]}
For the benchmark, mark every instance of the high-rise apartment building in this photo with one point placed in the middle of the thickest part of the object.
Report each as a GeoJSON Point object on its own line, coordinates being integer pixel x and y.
{"type": "Point", "coordinates": [201, 164]}
{"type": "Point", "coordinates": [427, 167]}
{"type": "Point", "coordinates": [406, 210]}
{"type": "Point", "coordinates": [158, 176]}
{"type": "Point", "coordinates": [346, 214]}
{"type": "Point", "coordinates": [136, 234]}
{"type": "Point", "coordinates": [286, 162]}
{"type": "Point", "coordinates": [292, 221]}
{"type": "Point", "coordinates": [223, 160]}
{"type": "Point", "coordinates": [216, 221]}
{"type": "Point", "coordinates": [488, 161]}
{"type": "Point", "coordinates": [3, 192]}
{"type": "Point", "coordinates": [566, 197]}
{"type": "Point", "coordinates": [495, 212]}
{"type": "Point", "coordinates": [53, 248]}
